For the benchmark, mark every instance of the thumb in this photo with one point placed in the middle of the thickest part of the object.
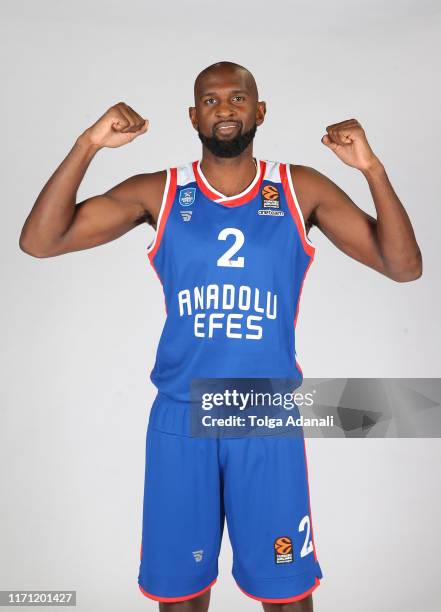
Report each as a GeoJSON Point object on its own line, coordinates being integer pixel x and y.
{"type": "Point", "coordinates": [329, 143]}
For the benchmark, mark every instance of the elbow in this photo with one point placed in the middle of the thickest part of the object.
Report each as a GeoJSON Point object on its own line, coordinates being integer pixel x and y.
{"type": "Point", "coordinates": [406, 277]}
{"type": "Point", "coordinates": [27, 248]}
{"type": "Point", "coordinates": [411, 272]}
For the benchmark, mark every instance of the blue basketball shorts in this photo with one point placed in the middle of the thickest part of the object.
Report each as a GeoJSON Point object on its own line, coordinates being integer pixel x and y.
{"type": "Point", "coordinates": [258, 484]}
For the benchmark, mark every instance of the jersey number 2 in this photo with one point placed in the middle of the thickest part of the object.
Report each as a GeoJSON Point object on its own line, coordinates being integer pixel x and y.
{"type": "Point", "coordinates": [226, 259]}
{"type": "Point", "coordinates": [307, 544]}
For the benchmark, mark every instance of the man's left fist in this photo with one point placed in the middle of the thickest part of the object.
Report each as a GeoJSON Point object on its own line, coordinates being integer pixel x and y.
{"type": "Point", "coordinates": [348, 141]}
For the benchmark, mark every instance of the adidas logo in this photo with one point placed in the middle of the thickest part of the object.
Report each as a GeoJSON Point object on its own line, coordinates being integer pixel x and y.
{"type": "Point", "coordinates": [186, 215]}
{"type": "Point", "coordinates": [198, 554]}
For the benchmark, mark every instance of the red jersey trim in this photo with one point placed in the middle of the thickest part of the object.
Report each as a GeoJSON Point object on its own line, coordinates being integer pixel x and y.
{"type": "Point", "coordinates": [298, 304]}
{"type": "Point", "coordinates": [217, 197]}
{"type": "Point", "coordinates": [295, 208]}
{"type": "Point", "coordinates": [167, 201]}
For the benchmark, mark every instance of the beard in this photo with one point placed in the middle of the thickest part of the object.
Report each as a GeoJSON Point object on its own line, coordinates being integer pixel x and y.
{"type": "Point", "coordinates": [228, 148]}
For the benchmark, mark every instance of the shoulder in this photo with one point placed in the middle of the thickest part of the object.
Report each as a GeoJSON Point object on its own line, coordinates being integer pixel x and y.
{"type": "Point", "coordinates": [312, 187]}
{"type": "Point", "coordinates": [155, 186]}
{"type": "Point", "coordinates": [156, 182]}
{"type": "Point", "coordinates": [305, 175]}
{"type": "Point", "coordinates": [308, 183]}
{"type": "Point", "coordinates": [147, 190]}
{"type": "Point", "coordinates": [152, 180]}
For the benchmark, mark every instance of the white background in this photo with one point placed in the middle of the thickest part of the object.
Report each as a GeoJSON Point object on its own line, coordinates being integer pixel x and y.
{"type": "Point", "coordinates": [79, 332]}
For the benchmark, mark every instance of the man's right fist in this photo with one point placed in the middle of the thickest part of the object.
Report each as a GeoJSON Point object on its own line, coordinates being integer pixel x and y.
{"type": "Point", "coordinates": [118, 126]}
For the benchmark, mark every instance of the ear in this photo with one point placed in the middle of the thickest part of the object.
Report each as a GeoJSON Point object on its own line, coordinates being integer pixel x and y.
{"type": "Point", "coordinates": [193, 116]}
{"type": "Point", "coordinates": [260, 112]}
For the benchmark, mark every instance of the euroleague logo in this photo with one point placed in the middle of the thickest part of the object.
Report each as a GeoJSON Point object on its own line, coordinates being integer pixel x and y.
{"type": "Point", "coordinates": [270, 202]}
{"type": "Point", "coordinates": [283, 550]}
{"type": "Point", "coordinates": [270, 192]}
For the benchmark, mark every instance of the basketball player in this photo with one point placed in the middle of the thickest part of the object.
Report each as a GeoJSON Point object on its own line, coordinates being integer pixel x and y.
{"type": "Point", "coordinates": [231, 238]}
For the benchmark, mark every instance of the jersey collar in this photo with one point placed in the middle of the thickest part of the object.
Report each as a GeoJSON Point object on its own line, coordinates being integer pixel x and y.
{"type": "Point", "coordinates": [241, 198]}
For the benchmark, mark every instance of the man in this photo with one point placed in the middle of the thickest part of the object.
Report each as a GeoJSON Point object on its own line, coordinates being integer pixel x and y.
{"type": "Point", "coordinates": [231, 250]}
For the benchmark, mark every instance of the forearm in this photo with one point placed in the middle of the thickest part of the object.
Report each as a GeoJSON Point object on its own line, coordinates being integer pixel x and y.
{"type": "Point", "coordinates": [395, 236]}
{"type": "Point", "coordinates": [54, 208]}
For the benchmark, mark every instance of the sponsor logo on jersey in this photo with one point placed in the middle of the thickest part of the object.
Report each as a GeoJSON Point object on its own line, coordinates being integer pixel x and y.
{"type": "Point", "coordinates": [283, 550]}
{"type": "Point", "coordinates": [187, 196]}
{"type": "Point", "coordinates": [271, 213]}
{"type": "Point", "coordinates": [242, 313]}
{"type": "Point", "coordinates": [270, 202]}
{"type": "Point", "coordinates": [186, 214]}
{"type": "Point", "coordinates": [198, 555]}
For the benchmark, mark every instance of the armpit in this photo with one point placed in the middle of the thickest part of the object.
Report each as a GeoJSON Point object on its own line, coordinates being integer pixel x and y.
{"type": "Point", "coordinates": [145, 217]}
{"type": "Point", "coordinates": [310, 222]}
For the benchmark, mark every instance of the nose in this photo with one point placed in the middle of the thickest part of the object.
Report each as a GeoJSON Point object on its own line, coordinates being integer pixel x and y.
{"type": "Point", "coordinates": [225, 109]}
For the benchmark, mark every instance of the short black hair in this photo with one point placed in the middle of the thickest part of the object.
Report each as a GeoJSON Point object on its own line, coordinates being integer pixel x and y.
{"type": "Point", "coordinates": [227, 66]}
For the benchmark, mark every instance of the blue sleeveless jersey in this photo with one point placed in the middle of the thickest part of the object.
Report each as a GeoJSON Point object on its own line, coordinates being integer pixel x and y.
{"type": "Point", "coordinates": [232, 271]}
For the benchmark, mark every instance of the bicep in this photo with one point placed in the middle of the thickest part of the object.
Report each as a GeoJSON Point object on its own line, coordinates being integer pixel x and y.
{"type": "Point", "coordinates": [103, 218]}
{"type": "Point", "coordinates": [347, 226]}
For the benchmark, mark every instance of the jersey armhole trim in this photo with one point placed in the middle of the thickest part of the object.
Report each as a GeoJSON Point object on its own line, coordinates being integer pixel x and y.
{"type": "Point", "coordinates": [285, 175]}
{"type": "Point", "coordinates": [166, 204]}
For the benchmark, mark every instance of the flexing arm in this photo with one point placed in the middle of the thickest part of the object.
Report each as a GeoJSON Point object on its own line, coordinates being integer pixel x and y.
{"type": "Point", "coordinates": [386, 244]}
{"type": "Point", "coordinates": [56, 224]}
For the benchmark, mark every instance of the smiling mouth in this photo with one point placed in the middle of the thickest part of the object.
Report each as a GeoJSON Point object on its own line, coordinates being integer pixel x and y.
{"type": "Point", "coordinates": [227, 127]}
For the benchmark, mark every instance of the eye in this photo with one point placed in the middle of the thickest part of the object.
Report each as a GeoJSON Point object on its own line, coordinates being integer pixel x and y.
{"type": "Point", "coordinates": [209, 101]}
{"type": "Point", "coordinates": [238, 98]}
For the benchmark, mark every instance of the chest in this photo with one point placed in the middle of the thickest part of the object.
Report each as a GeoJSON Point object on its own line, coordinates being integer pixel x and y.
{"type": "Point", "coordinates": [230, 240]}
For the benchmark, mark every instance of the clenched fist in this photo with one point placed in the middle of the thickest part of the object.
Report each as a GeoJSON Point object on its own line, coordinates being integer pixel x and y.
{"type": "Point", "coordinates": [348, 141]}
{"type": "Point", "coordinates": [118, 126]}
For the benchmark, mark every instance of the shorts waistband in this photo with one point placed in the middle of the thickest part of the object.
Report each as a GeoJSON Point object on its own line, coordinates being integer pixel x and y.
{"type": "Point", "coordinates": [170, 416]}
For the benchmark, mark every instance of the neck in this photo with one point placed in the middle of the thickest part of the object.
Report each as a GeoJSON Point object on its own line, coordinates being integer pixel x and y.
{"type": "Point", "coordinates": [229, 175]}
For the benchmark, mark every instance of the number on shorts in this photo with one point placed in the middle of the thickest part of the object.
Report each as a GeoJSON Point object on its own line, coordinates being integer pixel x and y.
{"type": "Point", "coordinates": [307, 544]}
